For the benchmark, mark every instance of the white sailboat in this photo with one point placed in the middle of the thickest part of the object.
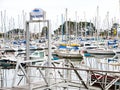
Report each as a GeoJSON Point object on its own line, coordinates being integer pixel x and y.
{"type": "Point", "coordinates": [69, 49]}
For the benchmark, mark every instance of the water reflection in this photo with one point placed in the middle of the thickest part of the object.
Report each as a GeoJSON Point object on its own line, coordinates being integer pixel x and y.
{"type": "Point", "coordinates": [85, 63]}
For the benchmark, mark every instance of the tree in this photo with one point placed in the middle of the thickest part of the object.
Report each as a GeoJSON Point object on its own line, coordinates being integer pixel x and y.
{"type": "Point", "coordinates": [114, 29]}
{"type": "Point", "coordinates": [15, 32]}
{"type": "Point", "coordinates": [72, 26]}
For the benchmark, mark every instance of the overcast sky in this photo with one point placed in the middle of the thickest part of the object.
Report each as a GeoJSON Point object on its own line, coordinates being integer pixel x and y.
{"type": "Point", "coordinates": [54, 8]}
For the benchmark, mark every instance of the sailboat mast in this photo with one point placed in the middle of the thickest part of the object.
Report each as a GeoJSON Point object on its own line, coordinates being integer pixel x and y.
{"type": "Point", "coordinates": [66, 26]}
{"type": "Point", "coordinates": [81, 28]}
{"type": "Point", "coordinates": [76, 26]}
{"type": "Point", "coordinates": [85, 27]}
{"type": "Point", "coordinates": [108, 22]}
{"type": "Point", "coordinates": [90, 29]}
{"type": "Point", "coordinates": [119, 11]}
{"type": "Point", "coordinates": [97, 25]}
{"type": "Point", "coordinates": [62, 26]}
{"type": "Point", "coordinates": [24, 19]}
{"type": "Point", "coordinates": [18, 27]}
{"type": "Point", "coordinates": [118, 21]}
{"type": "Point", "coordinates": [2, 24]}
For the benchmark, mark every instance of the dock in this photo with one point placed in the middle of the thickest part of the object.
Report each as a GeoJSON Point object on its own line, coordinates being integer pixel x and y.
{"type": "Point", "coordinates": [62, 77]}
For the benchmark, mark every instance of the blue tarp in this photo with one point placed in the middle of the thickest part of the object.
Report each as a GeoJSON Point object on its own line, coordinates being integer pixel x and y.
{"type": "Point", "coordinates": [75, 48]}
{"type": "Point", "coordinates": [62, 47]}
{"type": "Point", "coordinates": [70, 48]}
{"type": "Point", "coordinates": [112, 42]}
{"type": "Point", "coordinates": [19, 42]}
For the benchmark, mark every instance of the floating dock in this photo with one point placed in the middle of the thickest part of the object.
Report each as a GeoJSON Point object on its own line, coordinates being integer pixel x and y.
{"type": "Point", "coordinates": [65, 76]}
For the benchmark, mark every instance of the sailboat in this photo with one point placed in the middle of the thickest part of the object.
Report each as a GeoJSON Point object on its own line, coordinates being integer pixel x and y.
{"type": "Point", "coordinates": [68, 49]}
{"type": "Point", "coordinates": [69, 52]}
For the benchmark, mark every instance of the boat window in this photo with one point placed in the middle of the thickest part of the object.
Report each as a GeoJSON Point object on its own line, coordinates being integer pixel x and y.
{"type": "Point", "coordinates": [41, 54]}
{"type": "Point", "coordinates": [36, 53]}
{"type": "Point", "coordinates": [87, 44]}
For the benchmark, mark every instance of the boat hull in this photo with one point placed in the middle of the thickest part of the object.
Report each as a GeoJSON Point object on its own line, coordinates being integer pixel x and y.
{"type": "Point", "coordinates": [101, 52]}
{"type": "Point", "coordinates": [69, 55]}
